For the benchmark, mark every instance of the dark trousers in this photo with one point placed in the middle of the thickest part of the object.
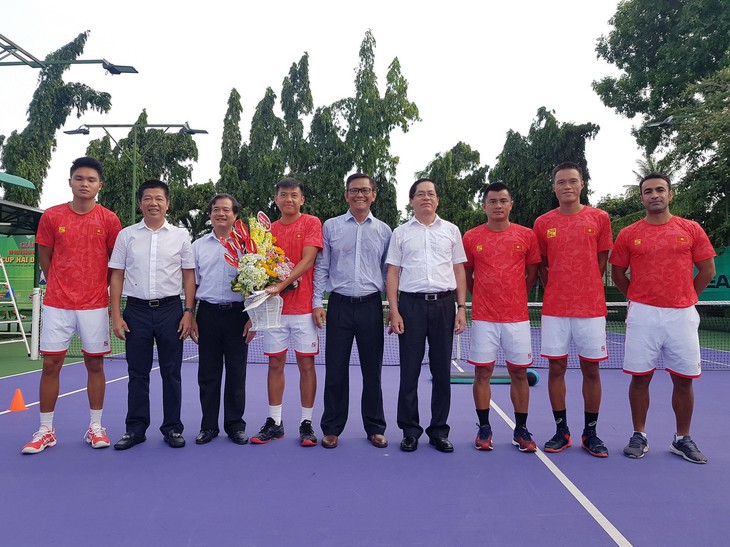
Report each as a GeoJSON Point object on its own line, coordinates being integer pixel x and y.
{"type": "Point", "coordinates": [221, 341]}
{"type": "Point", "coordinates": [423, 320]}
{"type": "Point", "coordinates": [363, 321]}
{"type": "Point", "coordinates": [148, 326]}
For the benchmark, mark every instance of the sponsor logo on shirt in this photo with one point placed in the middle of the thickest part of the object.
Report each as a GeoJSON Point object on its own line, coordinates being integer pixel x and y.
{"type": "Point", "coordinates": [61, 229]}
{"type": "Point", "coordinates": [552, 232]}
{"type": "Point", "coordinates": [590, 230]}
{"type": "Point", "coordinates": [637, 242]}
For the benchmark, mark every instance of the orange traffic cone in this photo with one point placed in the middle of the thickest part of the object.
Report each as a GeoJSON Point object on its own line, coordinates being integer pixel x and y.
{"type": "Point", "coordinates": [18, 403]}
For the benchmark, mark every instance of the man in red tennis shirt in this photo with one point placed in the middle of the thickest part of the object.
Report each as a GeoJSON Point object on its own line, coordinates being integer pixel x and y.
{"type": "Point", "coordinates": [75, 241]}
{"type": "Point", "coordinates": [501, 267]}
{"type": "Point", "coordinates": [662, 251]}
{"type": "Point", "coordinates": [300, 237]}
{"type": "Point", "coordinates": [574, 240]}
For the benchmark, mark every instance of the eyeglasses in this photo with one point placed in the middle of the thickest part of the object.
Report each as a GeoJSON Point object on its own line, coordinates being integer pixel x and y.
{"type": "Point", "coordinates": [363, 191]}
{"type": "Point", "coordinates": [421, 195]}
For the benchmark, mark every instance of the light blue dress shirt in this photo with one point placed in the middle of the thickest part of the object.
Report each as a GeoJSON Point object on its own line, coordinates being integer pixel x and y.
{"type": "Point", "coordinates": [352, 260]}
{"type": "Point", "coordinates": [212, 273]}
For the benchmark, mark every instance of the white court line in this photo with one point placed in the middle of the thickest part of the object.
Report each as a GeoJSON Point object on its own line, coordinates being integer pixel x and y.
{"type": "Point", "coordinates": [72, 392]}
{"type": "Point", "coordinates": [592, 510]}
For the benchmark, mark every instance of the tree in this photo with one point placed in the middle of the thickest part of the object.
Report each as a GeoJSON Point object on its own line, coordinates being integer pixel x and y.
{"type": "Point", "coordinates": [28, 153]}
{"type": "Point", "coordinates": [675, 58]}
{"type": "Point", "coordinates": [461, 184]}
{"type": "Point", "coordinates": [230, 164]}
{"type": "Point", "coordinates": [525, 163]}
{"type": "Point", "coordinates": [160, 155]}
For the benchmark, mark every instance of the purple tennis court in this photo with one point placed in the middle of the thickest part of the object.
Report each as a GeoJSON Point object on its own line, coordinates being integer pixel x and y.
{"type": "Point", "coordinates": [281, 493]}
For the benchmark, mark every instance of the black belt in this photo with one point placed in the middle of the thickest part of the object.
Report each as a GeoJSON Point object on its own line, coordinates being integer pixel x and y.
{"type": "Point", "coordinates": [156, 303]}
{"type": "Point", "coordinates": [428, 295]}
{"type": "Point", "coordinates": [355, 299]}
{"type": "Point", "coordinates": [223, 305]}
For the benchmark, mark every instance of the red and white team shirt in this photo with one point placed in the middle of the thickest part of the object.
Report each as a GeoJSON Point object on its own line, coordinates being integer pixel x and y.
{"type": "Point", "coordinates": [661, 259]}
{"type": "Point", "coordinates": [498, 260]}
{"type": "Point", "coordinates": [571, 243]}
{"type": "Point", "coordinates": [77, 278]}
{"type": "Point", "coordinates": [306, 231]}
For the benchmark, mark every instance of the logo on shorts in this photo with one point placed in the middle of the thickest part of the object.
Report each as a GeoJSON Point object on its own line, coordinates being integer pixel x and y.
{"type": "Point", "coordinates": [590, 230]}
{"type": "Point", "coordinates": [299, 235]}
{"type": "Point", "coordinates": [603, 349]}
{"type": "Point", "coordinates": [61, 229]}
{"type": "Point", "coordinates": [681, 239]}
{"type": "Point", "coordinates": [552, 232]}
{"type": "Point", "coordinates": [637, 242]}
{"type": "Point", "coordinates": [314, 344]}
{"type": "Point", "coordinates": [106, 343]}
{"type": "Point", "coordinates": [518, 246]}
{"type": "Point", "coordinates": [529, 356]}
{"type": "Point", "coordinates": [479, 248]}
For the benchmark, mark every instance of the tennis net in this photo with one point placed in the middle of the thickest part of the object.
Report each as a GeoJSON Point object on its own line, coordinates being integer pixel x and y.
{"type": "Point", "coordinates": [714, 340]}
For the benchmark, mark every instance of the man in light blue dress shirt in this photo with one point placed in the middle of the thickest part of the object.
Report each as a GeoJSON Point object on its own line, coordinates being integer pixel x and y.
{"type": "Point", "coordinates": [351, 267]}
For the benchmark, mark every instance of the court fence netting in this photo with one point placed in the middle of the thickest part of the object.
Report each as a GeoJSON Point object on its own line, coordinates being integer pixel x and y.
{"type": "Point", "coordinates": [714, 336]}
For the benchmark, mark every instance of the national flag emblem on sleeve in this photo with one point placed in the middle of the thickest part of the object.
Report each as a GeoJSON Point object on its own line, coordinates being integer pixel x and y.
{"type": "Point", "coordinates": [552, 232]}
{"type": "Point", "coordinates": [637, 242]}
{"type": "Point", "coordinates": [518, 246]}
{"type": "Point", "coordinates": [681, 239]}
{"type": "Point", "coordinates": [590, 230]}
{"type": "Point", "coordinates": [99, 231]}
{"type": "Point", "coordinates": [299, 235]}
{"type": "Point", "coordinates": [61, 229]}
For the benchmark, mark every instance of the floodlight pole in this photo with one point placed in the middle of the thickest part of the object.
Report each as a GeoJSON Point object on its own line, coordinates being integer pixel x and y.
{"type": "Point", "coordinates": [184, 128]}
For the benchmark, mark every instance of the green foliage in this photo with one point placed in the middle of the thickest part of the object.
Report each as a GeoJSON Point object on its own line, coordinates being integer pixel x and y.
{"type": "Point", "coordinates": [157, 154]}
{"type": "Point", "coordinates": [623, 210]}
{"type": "Point", "coordinates": [675, 58]}
{"type": "Point", "coordinates": [28, 154]}
{"type": "Point", "coordinates": [188, 204]}
{"type": "Point", "coordinates": [461, 184]}
{"type": "Point", "coordinates": [526, 163]}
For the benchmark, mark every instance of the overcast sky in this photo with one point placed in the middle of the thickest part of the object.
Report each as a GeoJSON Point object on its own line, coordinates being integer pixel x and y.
{"type": "Point", "coordinates": [475, 70]}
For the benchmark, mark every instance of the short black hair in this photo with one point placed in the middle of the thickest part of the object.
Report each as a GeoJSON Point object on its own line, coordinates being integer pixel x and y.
{"type": "Point", "coordinates": [234, 202]}
{"type": "Point", "coordinates": [496, 187]}
{"type": "Point", "coordinates": [153, 184]}
{"type": "Point", "coordinates": [655, 175]}
{"type": "Point", "coordinates": [412, 191]}
{"type": "Point", "coordinates": [289, 182]}
{"type": "Point", "coordinates": [87, 161]}
{"type": "Point", "coordinates": [567, 165]}
{"type": "Point", "coordinates": [360, 176]}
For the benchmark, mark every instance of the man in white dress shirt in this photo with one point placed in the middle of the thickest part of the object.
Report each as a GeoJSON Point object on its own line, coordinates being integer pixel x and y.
{"type": "Point", "coordinates": [426, 264]}
{"type": "Point", "coordinates": [150, 263]}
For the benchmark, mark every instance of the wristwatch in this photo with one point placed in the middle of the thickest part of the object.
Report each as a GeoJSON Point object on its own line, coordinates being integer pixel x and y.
{"type": "Point", "coordinates": [458, 306]}
{"type": "Point", "coordinates": [191, 310]}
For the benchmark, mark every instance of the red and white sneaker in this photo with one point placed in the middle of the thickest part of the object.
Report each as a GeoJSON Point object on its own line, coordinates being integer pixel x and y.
{"type": "Point", "coordinates": [42, 439]}
{"type": "Point", "coordinates": [96, 437]}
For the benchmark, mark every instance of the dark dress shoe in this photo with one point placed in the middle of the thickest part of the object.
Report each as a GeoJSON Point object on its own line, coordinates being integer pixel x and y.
{"type": "Point", "coordinates": [442, 444]}
{"type": "Point", "coordinates": [239, 437]}
{"type": "Point", "coordinates": [378, 440]}
{"type": "Point", "coordinates": [175, 439]}
{"type": "Point", "coordinates": [329, 441]}
{"type": "Point", "coordinates": [205, 436]}
{"type": "Point", "coordinates": [409, 444]}
{"type": "Point", "coordinates": [128, 440]}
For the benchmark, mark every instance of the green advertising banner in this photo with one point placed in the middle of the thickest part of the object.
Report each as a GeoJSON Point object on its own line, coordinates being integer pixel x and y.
{"type": "Point", "coordinates": [18, 254]}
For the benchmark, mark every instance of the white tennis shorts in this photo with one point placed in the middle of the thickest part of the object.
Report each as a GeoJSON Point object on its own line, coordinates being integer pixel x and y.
{"type": "Point", "coordinates": [588, 334]}
{"type": "Point", "coordinates": [59, 326]}
{"type": "Point", "coordinates": [487, 337]}
{"type": "Point", "coordinates": [297, 329]}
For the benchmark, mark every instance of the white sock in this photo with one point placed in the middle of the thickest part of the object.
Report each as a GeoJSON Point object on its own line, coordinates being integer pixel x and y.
{"type": "Point", "coordinates": [95, 417]}
{"type": "Point", "coordinates": [307, 413]}
{"type": "Point", "coordinates": [678, 438]}
{"type": "Point", "coordinates": [47, 420]}
{"type": "Point", "coordinates": [275, 413]}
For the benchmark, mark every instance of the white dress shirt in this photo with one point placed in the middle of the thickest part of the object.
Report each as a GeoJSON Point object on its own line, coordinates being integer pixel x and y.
{"type": "Point", "coordinates": [213, 274]}
{"type": "Point", "coordinates": [152, 260]}
{"type": "Point", "coordinates": [426, 255]}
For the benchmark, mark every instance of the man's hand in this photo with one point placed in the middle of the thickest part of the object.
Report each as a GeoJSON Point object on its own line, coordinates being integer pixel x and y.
{"type": "Point", "coordinates": [274, 289]}
{"type": "Point", "coordinates": [120, 327]}
{"type": "Point", "coordinates": [395, 322]}
{"type": "Point", "coordinates": [319, 316]}
{"type": "Point", "coordinates": [185, 325]}
{"type": "Point", "coordinates": [248, 333]}
{"type": "Point", "coordinates": [194, 331]}
{"type": "Point", "coordinates": [460, 322]}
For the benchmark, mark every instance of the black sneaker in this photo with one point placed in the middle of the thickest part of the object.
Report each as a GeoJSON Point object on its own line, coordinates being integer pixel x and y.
{"type": "Point", "coordinates": [637, 447]}
{"type": "Point", "coordinates": [268, 432]}
{"type": "Point", "coordinates": [687, 448]}
{"type": "Point", "coordinates": [593, 444]}
{"type": "Point", "coordinates": [560, 441]}
{"type": "Point", "coordinates": [306, 434]}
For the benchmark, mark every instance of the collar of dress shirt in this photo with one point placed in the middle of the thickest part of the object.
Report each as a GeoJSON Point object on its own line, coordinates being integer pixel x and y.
{"type": "Point", "coordinates": [142, 226]}
{"type": "Point", "coordinates": [436, 220]}
{"type": "Point", "coordinates": [350, 216]}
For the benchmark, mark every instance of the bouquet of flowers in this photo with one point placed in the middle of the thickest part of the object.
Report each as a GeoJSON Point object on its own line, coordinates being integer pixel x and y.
{"type": "Point", "coordinates": [254, 253]}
